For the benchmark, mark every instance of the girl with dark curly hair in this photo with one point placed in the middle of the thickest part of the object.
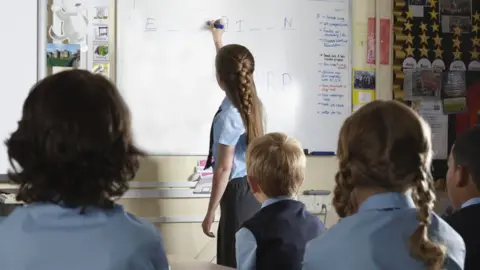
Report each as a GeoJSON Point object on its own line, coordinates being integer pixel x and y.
{"type": "Point", "coordinates": [72, 155]}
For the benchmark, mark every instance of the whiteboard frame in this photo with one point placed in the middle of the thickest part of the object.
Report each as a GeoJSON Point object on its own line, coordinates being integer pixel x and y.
{"type": "Point", "coordinates": [113, 67]}
{"type": "Point", "coordinates": [42, 24]}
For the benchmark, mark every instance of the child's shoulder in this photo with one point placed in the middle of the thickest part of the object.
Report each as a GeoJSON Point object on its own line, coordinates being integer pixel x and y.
{"type": "Point", "coordinates": [440, 231]}
{"type": "Point", "coordinates": [138, 227]}
{"type": "Point", "coordinates": [315, 222]}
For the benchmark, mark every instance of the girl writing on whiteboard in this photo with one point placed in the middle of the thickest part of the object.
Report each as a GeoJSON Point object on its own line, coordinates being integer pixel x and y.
{"type": "Point", "coordinates": [238, 120]}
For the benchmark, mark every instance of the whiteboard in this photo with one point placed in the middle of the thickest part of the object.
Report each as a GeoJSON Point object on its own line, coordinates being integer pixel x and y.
{"type": "Point", "coordinates": [18, 71]}
{"type": "Point", "coordinates": [165, 68]}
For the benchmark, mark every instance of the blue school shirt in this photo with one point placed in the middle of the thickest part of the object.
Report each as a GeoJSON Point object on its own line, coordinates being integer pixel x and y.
{"type": "Point", "coordinates": [470, 202]}
{"type": "Point", "coordinates": [51, 237]}
{"type": "Point", "coordinates": [228, 129]}
{"type": "Point", "coordinates": [377, 238]}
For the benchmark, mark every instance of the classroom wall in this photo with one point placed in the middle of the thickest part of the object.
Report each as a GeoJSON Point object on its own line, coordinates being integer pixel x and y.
{"type": "Point", "coordinates": [187, 239]}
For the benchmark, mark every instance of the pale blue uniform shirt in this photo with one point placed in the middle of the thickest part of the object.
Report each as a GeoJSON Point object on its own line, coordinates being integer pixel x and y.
{"type": "Point", "coordinates": [228, 129]}
{"type": "Point", "coordinates": [246, 245]}
{"type": "Point", "coordinates": [470, 202]}
{"type": "Point", "coordinates": [377, 238]}
{"type": "Point", "coordinates": [51, 237]}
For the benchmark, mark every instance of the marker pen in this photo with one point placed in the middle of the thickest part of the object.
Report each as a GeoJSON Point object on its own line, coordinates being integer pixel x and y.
{"type": "Point", "coordinates": [217, 24]}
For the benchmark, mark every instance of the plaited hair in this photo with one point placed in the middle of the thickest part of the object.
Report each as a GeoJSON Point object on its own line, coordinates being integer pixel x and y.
{"type": "Point", "coordinates": [386, 145]}
{"type": "Point", "coordinates": [235, 66]}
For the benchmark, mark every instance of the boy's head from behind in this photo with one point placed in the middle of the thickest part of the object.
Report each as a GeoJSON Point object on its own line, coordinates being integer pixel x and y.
{"type": "Point", "coordinates": [276, 166]}
{"type": "Point", "coordinates": [73, 144]}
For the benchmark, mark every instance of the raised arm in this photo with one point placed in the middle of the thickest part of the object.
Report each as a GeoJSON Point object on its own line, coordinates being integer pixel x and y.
{"type": "Point", "coordinates": [217, 35]}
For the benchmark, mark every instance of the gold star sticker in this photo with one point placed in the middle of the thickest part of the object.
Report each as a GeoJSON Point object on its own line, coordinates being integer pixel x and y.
{"type": "Point", "coordinates": [457, 30]}
{"type": "Point", "coordinates": [457, 55]}
{"type": "Point", "coordinates": [409, 50]}
{"type": "Point", "coordinates": [474, 54]}
{"type": "Point", "coordinates": [433, 14]}
{"type": "Point", "coordinates": [423, 27]}
{"type": "Point", "coordinates": [423, 38]}
{"type": "Point", "coordinates": [438, 40]}
{"type": "Point", "coordinates": [433, 3]}
{"type": "Point", "coordinates": [409, 39]}
{"type": "Point", "coordinates": [438, 53]}
{"type": "Point", "coordinates": [435, 27]}
{"type": "Point", "coordinates": [456, 43]}
{"type": "Point", "coordinates": [409, 14]}
{"type": "Point", "coordinates": [475, 28]}
{"type": "Point", "coordinates": [408, 26]}
{"type": "Point", "coordinates": [475, 41]}
{"type": "Point", "coordinates": [424, 51]}
{"type": "Point", "coordinates": [476, 17]}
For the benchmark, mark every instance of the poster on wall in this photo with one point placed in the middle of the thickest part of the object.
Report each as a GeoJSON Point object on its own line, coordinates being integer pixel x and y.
{"type": "Point", "coordinates": [63, 55]}
{"type": "Point", "coordinates": [371, 41]}
{"type": "Point", "coordinates": [454, 91]}
{"type": "Point", "coordinates": [101, 13]}
{"type": "Point", "coordinates": [102, 68]}
{"type": "Point", "coordinates": [426, 84]}
{"type": "Point", "coordinates": [385, 41]}
{"type": "Point", "coordinates": [100, 32]}
{"type": "Point", "coordinates": [432, 113]}
{"type": "Point", "coordinates": [99, 35]}
{"type": "Point", "coordinates": [100, 52]}
{"type": "Point", "coordinates": [417, 7]}
{"type": "Point", "coordinates": [69, 23]}
{"type": "Point", "coordinates": [364, 84]}
{"type": "Point", "coordinates": [446, 38]}
{"type": "Point", "coordinates": [456, 13]}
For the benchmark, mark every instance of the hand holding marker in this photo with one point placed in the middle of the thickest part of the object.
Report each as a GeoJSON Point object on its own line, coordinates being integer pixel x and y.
{"type": "Point", "coordinates": [217, 28]}
{"type": "Point", "coordinates": [218, 24]}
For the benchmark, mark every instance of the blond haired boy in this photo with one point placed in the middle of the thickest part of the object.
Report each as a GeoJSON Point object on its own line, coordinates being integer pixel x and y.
{"type": "Point", "coordinates": [276, 236]}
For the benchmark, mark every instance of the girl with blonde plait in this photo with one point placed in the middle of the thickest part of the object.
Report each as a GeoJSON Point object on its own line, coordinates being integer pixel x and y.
{"type": "Point", "coordinates": [384, 192]}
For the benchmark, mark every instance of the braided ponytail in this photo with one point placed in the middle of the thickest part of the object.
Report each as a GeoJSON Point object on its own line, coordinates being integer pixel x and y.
{"type": "Point", "coordinates": [247, 103]}
{"type": "Point", "coordinates": [235, 66]}
{"type": "Point", "coordinates": [342, 193]}
{"type": "Point", "coordinates": [245, 91]}
{"type": "Point", "coordinates": [433, 254]}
